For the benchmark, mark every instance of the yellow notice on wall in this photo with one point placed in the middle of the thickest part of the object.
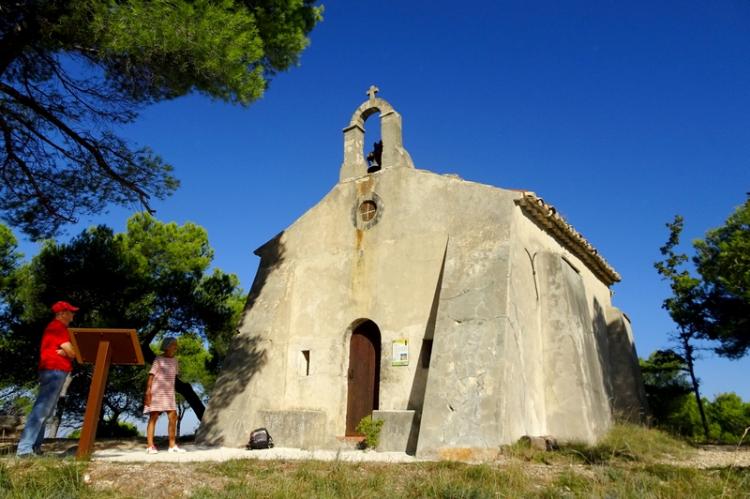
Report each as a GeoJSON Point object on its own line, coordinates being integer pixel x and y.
{"type": "Point", "coordinates": [400, 352]}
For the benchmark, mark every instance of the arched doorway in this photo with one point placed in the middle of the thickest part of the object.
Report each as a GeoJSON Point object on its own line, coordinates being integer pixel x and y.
{"type": "Point", "coordinates": [363, 375]}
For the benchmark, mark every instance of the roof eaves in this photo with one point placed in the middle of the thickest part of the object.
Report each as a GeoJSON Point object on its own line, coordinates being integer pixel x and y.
{"type": "Point", "coordinates": [546, 216]}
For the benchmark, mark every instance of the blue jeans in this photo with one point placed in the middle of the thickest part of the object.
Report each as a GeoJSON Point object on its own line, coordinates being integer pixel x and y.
{"type": "Point", "coordinates": [50, 386]}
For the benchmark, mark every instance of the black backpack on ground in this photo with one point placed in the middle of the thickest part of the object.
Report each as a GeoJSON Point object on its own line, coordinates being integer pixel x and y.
{"type": "Point", "coordinates": [260, 439]}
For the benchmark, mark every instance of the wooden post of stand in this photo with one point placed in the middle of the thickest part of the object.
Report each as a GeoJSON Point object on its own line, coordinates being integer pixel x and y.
{"type": "Point", "coordinates": [102, 347]}
{"type": "Point", "coordinates": [94, 402]}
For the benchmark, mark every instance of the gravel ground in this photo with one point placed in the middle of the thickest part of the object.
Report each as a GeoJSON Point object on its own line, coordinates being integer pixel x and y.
{"type": "Point", "coordinates": [199, 453]}
{"type": "Point", "coordinates": [134, 451]}
{"type": "Point", "coordinates": [705, 457]}
{"type": "Point", "coordinates": [715, 456]}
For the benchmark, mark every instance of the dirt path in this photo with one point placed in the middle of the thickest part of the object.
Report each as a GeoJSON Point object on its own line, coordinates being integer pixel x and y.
{"type": "Point", "coordinates": [141, 475]}
{"type": "Point", "coordinates": [157, 479]}
{"type": "Point", "coordinates": [706, 456]}
{"type": "Point", "coordinates": [715, 456]}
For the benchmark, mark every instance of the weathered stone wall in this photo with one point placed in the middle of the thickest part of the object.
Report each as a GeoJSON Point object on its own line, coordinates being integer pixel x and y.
{"type": "Point", "coordinates": [572, 346]}
{"type": "Point", "coordinates": [322, 276]}
{"type": "Point", "coordinates": [524, 317]}
{"type": "Point", "coordinates": [541, 350]}
{"type": "Point", "coordinates": [519, 335]}
{"type": "Point", "coordinates": [576, 402]}
{"type": "Point", "coordinates": [628, 395]}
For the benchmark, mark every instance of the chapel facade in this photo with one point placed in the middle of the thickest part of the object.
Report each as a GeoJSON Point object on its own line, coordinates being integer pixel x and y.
{"type": "Point", "coordinates": [463, 315]}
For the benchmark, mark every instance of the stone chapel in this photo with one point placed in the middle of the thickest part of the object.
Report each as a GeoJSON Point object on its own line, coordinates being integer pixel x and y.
{"type": "Point", "coordinates": [463, 315]}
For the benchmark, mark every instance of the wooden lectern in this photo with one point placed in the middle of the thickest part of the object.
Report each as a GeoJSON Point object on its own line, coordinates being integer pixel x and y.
{"type": "Point", "coordinates": [102, 347]}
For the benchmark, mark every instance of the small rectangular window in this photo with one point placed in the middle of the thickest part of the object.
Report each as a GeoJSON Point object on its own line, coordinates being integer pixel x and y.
{"type": "Point", "coordinates": [305, 363]}
{"type": "Point", "coordinates": [426, 353]}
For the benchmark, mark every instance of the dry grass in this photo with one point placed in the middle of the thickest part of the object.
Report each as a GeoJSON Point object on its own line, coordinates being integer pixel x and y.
{"type": "Point", "coordinates": [629, 462]}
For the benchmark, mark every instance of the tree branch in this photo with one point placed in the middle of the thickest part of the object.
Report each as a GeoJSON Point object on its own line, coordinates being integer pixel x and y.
{"type": "Point", "coordinates": [32, 129]}
{"type": "Point", "coordinates": [74, 89]}
{"type": "Point", "coordinates": [8, 138]}
{"type": "Point", "coordinates": [86, 144]}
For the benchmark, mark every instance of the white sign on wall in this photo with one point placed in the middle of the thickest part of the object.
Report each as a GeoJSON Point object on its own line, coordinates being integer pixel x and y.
{"type": "Point", "coordinates": [400, 352]}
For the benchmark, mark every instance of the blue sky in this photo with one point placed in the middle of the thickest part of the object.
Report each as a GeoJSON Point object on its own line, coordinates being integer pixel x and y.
{"type": "Point", "coordinates": [620, 114]}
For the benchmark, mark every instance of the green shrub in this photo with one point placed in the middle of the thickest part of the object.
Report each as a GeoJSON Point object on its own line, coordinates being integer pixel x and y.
{"type": "Point", "coordinates": [729, 417]}
{"type": "Point", "coordinates": [623, 443]}
{"type": "Point", "coordinates": [638, 443]}
{"type": "Point", "coordinates": [107, 429]}
{"type": "Point", "coordinates": [370, 428]}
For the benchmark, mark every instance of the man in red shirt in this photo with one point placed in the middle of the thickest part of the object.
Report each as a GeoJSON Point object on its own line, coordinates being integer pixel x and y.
{"type": "Point", "coordinates": [55, 363]}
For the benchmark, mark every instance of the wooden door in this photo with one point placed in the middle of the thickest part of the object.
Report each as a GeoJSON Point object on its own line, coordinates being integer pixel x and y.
{"type": "Point", "coordinates": [364, 375]}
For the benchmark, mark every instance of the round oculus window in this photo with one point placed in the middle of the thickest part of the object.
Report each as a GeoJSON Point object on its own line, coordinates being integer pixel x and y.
{"type": "Point", "coordinates": [367, 210]}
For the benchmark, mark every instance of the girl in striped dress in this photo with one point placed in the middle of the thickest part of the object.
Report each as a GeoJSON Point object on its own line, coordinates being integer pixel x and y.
{"type": "Point", "coordinates": [160, 394]}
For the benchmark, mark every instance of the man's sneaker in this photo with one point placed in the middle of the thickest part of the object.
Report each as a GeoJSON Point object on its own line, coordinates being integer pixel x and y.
{"type": "Point", "coordinates": [152, 450]}
{"type": "Point", "coordinates": [176, 449]}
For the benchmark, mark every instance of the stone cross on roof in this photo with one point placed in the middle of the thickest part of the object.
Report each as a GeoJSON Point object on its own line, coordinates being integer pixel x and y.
{"type": "Point", "coordinates": [372, 91]}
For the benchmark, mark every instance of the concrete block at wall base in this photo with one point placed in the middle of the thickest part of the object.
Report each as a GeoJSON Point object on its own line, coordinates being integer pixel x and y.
{"type": "Point", "coordinates": [394, 434]}
{"type": "Point", "coordinates": [540, 443]}
{"type": "Point", "coordinates": [296, 429]}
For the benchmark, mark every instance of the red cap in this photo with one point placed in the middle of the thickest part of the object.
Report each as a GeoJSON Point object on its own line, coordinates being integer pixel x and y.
{"type": "Point", "coordinates": [62, 306]}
